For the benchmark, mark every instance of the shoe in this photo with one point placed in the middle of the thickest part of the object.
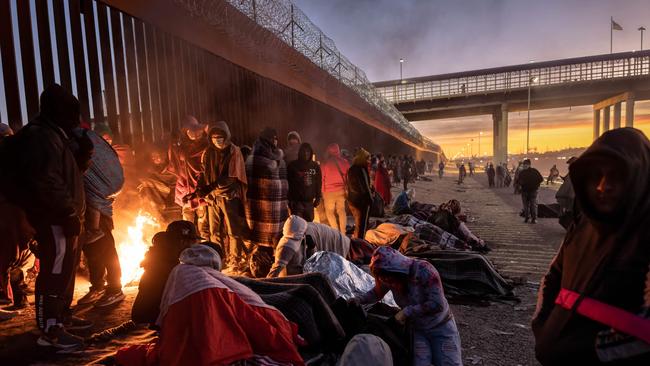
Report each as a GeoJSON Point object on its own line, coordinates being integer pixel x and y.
{"type": "Point", "coordinates": [110, 298]}
{"type": "Point", "coordinates": [533, 221]}
{"type": "Point", "coordinates": [526, 220]}
{"type": "Point", "coordinates": [58, 337]}
{"type": "Point", "coordinates": [92, 296]}
{"type": "Point", "coordinates": [91, 236]}
{"type": "Point", "coordinates": [77, 323]}
{"type": "Point", "coordinates": [18, 305]}
{"type": "Point", "coordinates": [6, 315]}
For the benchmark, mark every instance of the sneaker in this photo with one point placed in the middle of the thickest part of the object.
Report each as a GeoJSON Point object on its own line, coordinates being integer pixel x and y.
{"type": "Point", "coordinates": [18, 305]}
{"type": "Point", "coordinates": [91, 236]}
{"type": "Point", "coordinates": [526, 220]}
{"type": "Point", "coordinates": [6, 315]}
{"type": "Point", "coordinates": [92, 296]}
{"type": "Point", "coordinates": [58, 337]}
{"type": "Point", "coordinates": [77, 323]}
{"type": "Point", "coordinates": [110, 298]}
{"type": "Point", "coordinates": [533, 221]}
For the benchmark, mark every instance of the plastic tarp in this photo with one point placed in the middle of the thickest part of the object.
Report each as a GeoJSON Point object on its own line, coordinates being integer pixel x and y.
{"type": "Point", "coordinates": [347, 279]}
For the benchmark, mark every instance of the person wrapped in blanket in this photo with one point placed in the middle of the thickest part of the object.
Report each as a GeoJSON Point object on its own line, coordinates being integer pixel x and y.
{"type": "Point", "coordinates": [208, 318]}
{"type": "Point", "coordinates": [417, 289]}
{"type": "Point", "coordinates": [300, 239]}
{"type": "Point", "coordinates": [449, 218]}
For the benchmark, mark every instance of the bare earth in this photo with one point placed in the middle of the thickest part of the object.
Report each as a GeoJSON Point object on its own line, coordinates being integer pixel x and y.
{"type": "Point", "coordinates": [498, 334]}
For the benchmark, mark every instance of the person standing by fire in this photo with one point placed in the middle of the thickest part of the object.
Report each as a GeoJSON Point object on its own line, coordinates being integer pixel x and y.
{"type": "Point", "coordinates": [223, 185]}
{"type": "Point", "coordinates": [49, 187]}
{"type": "Point", "coordinates": [185, 164]}
{"type": "Point", "coordinates": [305, 180]}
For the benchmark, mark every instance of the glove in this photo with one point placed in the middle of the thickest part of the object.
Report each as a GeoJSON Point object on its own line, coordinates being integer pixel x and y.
{"type": "Point", "coordinates": [400, 317]}
{"type": "Point", "coordinates": [71, 226]}
{"type": "Point", "coordinates": [316, 202]}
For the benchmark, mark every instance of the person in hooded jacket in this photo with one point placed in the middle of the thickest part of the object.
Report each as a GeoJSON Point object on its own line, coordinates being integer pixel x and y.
{"type": "Point", "coordinates": [417, 289]}
{"type": "Point", "coordinates": [529, 181]}
{"type": "Point", "coordinates": [305, 181]}
{"type": "Point", "coordinates": [604, 257]}
{"type": "Point", "coordinates": [223, 185]}
{"type": "Point", "coordinates": [266, 198]}
{"type": "Point", "coordinates": [360, 193]}
{"type": "Point", "coordinates": [334, 172]}
{"type": "Point", "coordinates": [291, 153]}
{"type": "Point", "coordinates": [490, 172]}
{"type": "Point", "coordinates": [48, 185]}
{"type": "Point", "coordinates": [382, 181]}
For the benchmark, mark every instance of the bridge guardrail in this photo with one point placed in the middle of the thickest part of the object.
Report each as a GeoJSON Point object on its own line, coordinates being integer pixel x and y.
{"type": "Point", "coordinates": [629, 66]}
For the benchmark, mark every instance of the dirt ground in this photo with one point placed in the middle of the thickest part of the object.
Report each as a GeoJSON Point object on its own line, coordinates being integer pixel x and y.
{"type": "Point", "coordinates": [498, 334]}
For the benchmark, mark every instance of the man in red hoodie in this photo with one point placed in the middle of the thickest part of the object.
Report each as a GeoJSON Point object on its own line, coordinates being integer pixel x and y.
{"type": "Point", "coordinates": [334, 171]}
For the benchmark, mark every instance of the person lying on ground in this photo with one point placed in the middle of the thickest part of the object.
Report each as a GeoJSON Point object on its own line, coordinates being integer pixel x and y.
{"type": "Point", "coordinates": [604, 258]}
{"type": "Point", "coordinates": [449, 218]}
{"type": "Point", "coordinates": [158, 262]}
{"type": "Point", "coordinates": [417, 289]}
{"type": "Point", "coordinates": [208, 318]}
{"type": "Point", "coordinates": [301, 239]}
{"type": "Point", "coordinates": [403, 201]}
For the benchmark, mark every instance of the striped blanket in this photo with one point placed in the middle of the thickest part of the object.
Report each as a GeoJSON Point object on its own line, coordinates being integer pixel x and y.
{"type": "Point", "coordinates": [266, 204]}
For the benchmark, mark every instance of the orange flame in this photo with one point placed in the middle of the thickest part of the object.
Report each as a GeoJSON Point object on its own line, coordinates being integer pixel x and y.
{"type": "Point", "coordinates": [132, 249]}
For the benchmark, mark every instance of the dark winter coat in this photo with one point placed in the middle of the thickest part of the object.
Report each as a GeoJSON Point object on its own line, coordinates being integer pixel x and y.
{"type": "Point", "coordinates": [530, 179]}
{"type": "Point", "coordinates": [359, 192]}
{"type": "Point", "coordinates": [605, 259]}
{"type": "Point", "coordinates": [304, 176]}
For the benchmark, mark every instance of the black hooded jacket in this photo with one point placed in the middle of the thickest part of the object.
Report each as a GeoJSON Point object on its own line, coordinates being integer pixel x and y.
{"type": "Point", "coordinates": [603, 258]}
{"type": "Point", "coordinates": [304, 176]}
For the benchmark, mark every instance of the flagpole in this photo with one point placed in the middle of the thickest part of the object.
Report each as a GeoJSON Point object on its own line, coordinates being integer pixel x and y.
{"type": "Point", "coordinates": [611, 34]}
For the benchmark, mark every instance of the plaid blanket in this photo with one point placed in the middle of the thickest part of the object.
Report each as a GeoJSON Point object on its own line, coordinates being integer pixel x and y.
{"type": "Point", "coordinates": [429, 233]}
{"type": "Point", "coordinates": [266, 204]}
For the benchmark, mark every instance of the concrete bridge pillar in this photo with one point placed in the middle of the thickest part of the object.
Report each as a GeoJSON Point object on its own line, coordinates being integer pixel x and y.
{"type": "Point", "coordinates": [629, 111]}
{"type": "Point", "coordinates": [596, 123]}
{"type": "Point", "coordinates": [500, 134]}
{"type": "Point", "coordinates": [617, 115]}
{"type": "Point", "coordinates": [606, 113]}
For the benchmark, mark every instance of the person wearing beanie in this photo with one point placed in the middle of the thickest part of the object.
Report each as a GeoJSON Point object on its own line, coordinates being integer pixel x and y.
{"type": "Point", "coordinates": [49, 187]}
{"type": "Point", "coordinates": [293, 145]}
{"type": "Point", "coordinates": [360, 192]}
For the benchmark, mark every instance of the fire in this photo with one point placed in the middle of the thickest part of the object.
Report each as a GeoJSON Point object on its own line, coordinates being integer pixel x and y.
{"type": "Point", "coordinates": [133, 247]}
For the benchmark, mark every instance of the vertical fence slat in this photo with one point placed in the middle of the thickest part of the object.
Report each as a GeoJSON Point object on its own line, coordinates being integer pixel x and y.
{"type": "Point", "coordinates": [60, 27]}
{"type": "Point", "coordinates": [120, 77]}
{"type": "Point", "coordinates": [191, 75]}
{"type": "Point", "coordinates": [163, 80]}
{"type": "Point", "coordinates": [9, 71]}
{"type": "Point", "coordinates": [152, 63]}
{"type": "Point", "coordinates": [44, 42]}
{"type": "Point", "coordinates": [143, 77]}
{"type": "Point", "coordinates": [27, 57]}
{"type": "Point", "coordinates": [93, 62]}
{"type": "Point", "coordinates": [134, 94]}
{"type": "Point", "coordinates": [172, 85]}
{"type": "Point", "coordinates": [78, 52]}
{"type": "Point", "coordinates": [107, 65]}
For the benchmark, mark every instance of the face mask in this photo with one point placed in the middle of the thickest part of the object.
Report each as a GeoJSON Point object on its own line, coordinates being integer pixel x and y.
{"type": "Point", "coordinates": [219, 142]}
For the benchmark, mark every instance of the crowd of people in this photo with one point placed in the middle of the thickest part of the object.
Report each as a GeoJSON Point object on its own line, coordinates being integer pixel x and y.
{"type": "Point", "coordinates": [61, 178]}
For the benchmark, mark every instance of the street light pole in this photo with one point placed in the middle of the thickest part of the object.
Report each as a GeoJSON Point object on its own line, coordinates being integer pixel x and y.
{"type": "Point", "coordinates": [531, 80]}
{"type": "Point", "coordinates": [641, 29]}
{"type": "Point", "coordinates": [479, 143]}
{"type": "Point", "coordinates": [401, 62]}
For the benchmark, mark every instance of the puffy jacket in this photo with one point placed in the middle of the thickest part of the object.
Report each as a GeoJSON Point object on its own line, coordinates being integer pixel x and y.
{"type": "Point", "coordinates": [530, 179]}
{"type": "Point", "coordinates": [333, 179]}
{"type": "Point", "coordinates": [359, 192]}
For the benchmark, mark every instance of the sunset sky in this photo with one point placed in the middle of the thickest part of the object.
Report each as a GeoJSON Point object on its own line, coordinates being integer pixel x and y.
{"type": "Point", "coordinates": [439, 36]}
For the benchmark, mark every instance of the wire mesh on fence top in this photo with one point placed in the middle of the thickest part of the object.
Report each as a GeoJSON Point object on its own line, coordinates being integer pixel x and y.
{"type": "Point", "coordinates": [292, 26]}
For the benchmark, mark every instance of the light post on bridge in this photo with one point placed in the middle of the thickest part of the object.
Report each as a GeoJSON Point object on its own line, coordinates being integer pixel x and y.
{"type": "Point", "coordinates": [531, 80]}
{"type": "Point", "coordinates": [401, 62]}
{"type": "Point", "coordinates": [641, 29]}
{"type": "Point", "coordinates": [479, 142]}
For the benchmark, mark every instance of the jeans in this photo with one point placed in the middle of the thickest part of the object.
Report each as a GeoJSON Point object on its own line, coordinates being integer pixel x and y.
{"type": "Point", "coordinates": [335, 210]}
{"type": "Point", "coordinates": [529, 201]}
{"type": "Point", "coordinates": [103, 260]}
{"type": "Point", "coordinates": [302, 209]}
{"type": "Point", "coordinates": [361, 215]}
{"type": "Point", "coordinates": [228, 219]}
{"type": "Point", "coordinates": [439, 346]}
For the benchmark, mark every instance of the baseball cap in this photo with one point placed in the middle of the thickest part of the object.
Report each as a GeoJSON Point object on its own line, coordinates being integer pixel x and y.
{"type": "Point", "coordinates": [183, 229]}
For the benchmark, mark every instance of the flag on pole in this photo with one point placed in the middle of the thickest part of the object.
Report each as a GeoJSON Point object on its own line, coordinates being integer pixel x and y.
{"type": "Point", "coordinates": [616, 26]}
